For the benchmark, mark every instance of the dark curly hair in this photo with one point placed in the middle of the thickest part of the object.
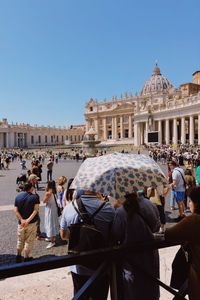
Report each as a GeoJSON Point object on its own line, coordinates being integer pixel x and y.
{"type": "Point", "coordinates": [194, 195]}
{"type": "Point", "coordinates": [131, 204]}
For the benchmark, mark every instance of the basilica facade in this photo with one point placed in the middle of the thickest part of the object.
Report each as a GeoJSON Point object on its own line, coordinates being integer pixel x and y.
{"type": "Point", "coordinates": [172, 112]}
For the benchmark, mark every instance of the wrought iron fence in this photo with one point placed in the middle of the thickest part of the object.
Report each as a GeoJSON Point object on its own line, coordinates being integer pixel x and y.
{"type": "Point", "coordinates": [107, 259]}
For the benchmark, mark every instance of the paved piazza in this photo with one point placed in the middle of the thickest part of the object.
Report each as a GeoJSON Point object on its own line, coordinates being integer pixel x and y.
{"type": "Point", "coordinates": [54, 282]}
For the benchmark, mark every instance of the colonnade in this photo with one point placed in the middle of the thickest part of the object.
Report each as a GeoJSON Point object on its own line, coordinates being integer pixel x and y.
{"type": "Point", "coordinates": [184, 129]}
{"type": "Point", "coordinates": [12, 139]}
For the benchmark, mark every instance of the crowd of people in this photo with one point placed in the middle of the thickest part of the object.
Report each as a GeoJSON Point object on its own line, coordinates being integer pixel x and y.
{"type": "Point", "coordinates": [57, 194]}
{"type": "Point", "coordinates": [136, 219]}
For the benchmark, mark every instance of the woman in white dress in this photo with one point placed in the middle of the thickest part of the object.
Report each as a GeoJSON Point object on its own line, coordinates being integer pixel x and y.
{"type": "Point", "coordinates": [51, 222]}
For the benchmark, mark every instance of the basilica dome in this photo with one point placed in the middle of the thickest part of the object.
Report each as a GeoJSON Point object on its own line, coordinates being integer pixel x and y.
{"type": "Point", "coordinates": [156, 84]}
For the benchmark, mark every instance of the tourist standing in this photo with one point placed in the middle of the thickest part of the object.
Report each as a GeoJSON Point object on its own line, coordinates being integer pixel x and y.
{"type": "Point", "coordinates": [103, 220]}
{"type": "Point", "coordinates": [68, 193]}
{"type": "Point", "coordinates": [157, 196]}
{"type": "Point", "coordinates": [61, 189]}
{"type": "Point", "coordinates": [190, 184]}
{"type": "Point", "coordinates": [172, 194]}
{"type": "Point", "coordinates": [197, 172]}
{"type": "Point", "coordinates": [26, 210]}
{"type": "Point", "coordinates": [51, 222]}
{"type": "Point", "coordinates": [49, 169]}
{"type": "Point", "coordinates": [7, 161]}
{"type": "Point", "coordinates": [178, 185]}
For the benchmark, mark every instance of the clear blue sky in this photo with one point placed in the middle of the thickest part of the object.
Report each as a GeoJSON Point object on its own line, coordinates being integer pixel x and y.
{"type": "Point", "coordinates": [56, 54]}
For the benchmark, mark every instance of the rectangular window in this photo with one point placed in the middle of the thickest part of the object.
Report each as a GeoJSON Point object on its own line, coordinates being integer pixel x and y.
{"type": "Point", "coordinates": [39, 139]}
{"type": "Point", "coordinates": [51, 138]}
{"type": "Point", "coordinates": [45, 138]}
{"type": "Point", "coordinates": [57, 138]}
{"type": "Point", "coordinates": [32, 139]}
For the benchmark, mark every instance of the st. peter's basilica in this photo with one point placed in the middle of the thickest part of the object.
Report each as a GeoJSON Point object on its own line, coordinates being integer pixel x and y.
{"type": "Point", "coordinates": [172, 112]}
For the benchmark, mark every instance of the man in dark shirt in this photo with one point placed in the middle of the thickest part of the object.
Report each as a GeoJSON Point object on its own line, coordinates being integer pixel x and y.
{"type": "Point", "coordinates": [26, 210]}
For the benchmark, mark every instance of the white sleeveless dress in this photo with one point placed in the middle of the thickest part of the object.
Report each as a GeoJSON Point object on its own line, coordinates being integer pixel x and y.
{"type": "Point", "coordinates": [51, 221]}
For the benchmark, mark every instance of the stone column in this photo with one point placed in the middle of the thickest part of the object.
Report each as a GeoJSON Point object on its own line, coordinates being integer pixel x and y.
{"type": "Point", "coordinates": [167, 131]}
{"type": "Point", "coordinates": [15, 139]}
{"type": "Point", "coordinates": [198, 129]}
{"type": "Point", "coordinates": [160, 131]}
{"type": "Point", "coordinates": [11, 140]}
{"type": "Point", "coordinates": [136, 134]}
{"type": "Point", "coordinates": [104, 129]}
{"type": "Point", "coordinates": [29, 138]}
{"type": "Point", "coordinates": [141, 133]}
{"type": "Point", "coordinates": [175, 135]}
{"type": "Point", "coordinates": [115, 126]}
{"type": "Point", "coordinates": [146, 131]}
{"type": "Point", "coordinates": [96, 127]}
{"type": "Point", "coordinates": [130, 128]}
{"type": "Point", "coordinates": [7, 140]}
{"type": "Point", "coordinates": [113, 129]}
{"type": "Point", "coordinates": [191, 137]}
{"type": "Point", "coordinates": [25, 140]}
{"type": "Point", "coordinates": [121, 128]}
{"type": "Point", "coordinates": [183, 130]}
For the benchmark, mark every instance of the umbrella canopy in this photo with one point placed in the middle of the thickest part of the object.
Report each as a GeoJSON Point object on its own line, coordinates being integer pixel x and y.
{"type": "Point", "coordinates": [118, 174]}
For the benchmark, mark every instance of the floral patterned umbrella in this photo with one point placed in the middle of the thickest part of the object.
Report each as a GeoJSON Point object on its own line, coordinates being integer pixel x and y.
{"type": "Point", "coordinates": [118, 174]}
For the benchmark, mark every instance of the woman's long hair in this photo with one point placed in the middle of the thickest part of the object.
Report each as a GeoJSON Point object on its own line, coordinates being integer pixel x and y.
{"type": "Point", "coordinates": [51, 185]}
{"type": "Point", "coordinates": [194, 195]}
{"type": "Point", "coordinates": [131, 204]}
{"type": "Point", "coordinates": [69, 193]}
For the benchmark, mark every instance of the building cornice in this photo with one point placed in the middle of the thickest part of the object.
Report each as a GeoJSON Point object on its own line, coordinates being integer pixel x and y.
{"type": "Point", "coordinates": [177, 112]}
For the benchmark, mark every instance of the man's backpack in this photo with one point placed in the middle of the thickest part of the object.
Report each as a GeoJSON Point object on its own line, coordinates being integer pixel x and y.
{"type": "Point", "coordinates": [84, 236]}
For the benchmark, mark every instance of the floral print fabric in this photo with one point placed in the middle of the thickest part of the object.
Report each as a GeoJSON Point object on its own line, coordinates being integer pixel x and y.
{"type": "Point", "coordinates": [118, 174]}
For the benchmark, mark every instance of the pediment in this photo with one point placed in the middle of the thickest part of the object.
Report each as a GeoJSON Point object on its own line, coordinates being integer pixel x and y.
{"type": "Point", "coordinates": [124, 106]}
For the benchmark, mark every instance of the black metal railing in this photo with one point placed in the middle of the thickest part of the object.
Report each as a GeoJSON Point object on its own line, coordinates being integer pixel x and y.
{"type": "Point", "coordinates": [106, 258]}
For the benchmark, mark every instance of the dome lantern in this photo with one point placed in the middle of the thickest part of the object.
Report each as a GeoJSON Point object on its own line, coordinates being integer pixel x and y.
{"type": "Point", "coordinates": [156, 70]}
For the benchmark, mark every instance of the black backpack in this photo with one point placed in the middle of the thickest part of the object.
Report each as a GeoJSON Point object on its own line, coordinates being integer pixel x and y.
{"type": "Point", "coordinates": [84, 236]}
